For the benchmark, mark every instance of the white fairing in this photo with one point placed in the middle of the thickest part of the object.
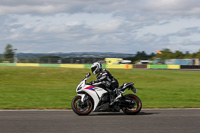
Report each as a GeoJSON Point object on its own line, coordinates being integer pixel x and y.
{"type": "Point", "coordinates": [100, 91]}
{"type": "Point", "coordinates": [93, 91]}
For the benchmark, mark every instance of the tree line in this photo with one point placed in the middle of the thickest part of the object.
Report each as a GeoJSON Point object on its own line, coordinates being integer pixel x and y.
{"type": "Point", "coordinates": [140, 55]}
{"type": "Point", "coordinates": [164, 54]}
{"type": "Point", "coordinates": [168, 54]}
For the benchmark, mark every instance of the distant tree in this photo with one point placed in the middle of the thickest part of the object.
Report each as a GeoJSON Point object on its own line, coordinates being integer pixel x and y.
{"type": "Point", "coordinates": [166, 54]}
{"type": "Point", "coordinates": [196, 55]}
{"type": "Point", "coordinates": [178, 55]}
{"type": "Point", "coordinates": [187, 55]}
{"type": "Point", "coordinates": [9, 51]}
{"type": "Point", "coordinates": [140, 56]}
{"type": "Point", "coordinates": [152, 55]}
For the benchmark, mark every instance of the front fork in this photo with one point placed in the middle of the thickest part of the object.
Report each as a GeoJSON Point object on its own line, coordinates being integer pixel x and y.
{"type": "Point", "coordinates": [84, 98]}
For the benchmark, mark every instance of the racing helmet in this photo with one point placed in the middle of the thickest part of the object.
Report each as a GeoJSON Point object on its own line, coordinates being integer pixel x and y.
{"type": "Point", "coordinates": [96, 67]}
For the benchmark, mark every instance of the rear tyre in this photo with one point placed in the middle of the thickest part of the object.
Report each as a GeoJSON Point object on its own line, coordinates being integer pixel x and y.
{"type": "Point", "coordinates": [81, 108]}
{"type": "Point", "coordinates": [135, 107]}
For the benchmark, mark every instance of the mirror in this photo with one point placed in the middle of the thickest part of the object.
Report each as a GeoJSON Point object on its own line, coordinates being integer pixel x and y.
{"type": "Point", "coordinates": [88, 75]}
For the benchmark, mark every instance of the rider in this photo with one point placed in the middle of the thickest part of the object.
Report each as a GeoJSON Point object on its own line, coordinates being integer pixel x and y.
{"type": "Point", "coordinates": [103, 76]}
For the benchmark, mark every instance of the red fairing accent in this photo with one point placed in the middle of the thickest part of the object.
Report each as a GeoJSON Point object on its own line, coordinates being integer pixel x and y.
{"type": "Point", "coordinates": [90, 88]}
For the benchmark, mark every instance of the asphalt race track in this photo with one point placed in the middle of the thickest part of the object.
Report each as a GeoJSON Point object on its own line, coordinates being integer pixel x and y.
{"type": "Point", "coordinates": [148, 121]}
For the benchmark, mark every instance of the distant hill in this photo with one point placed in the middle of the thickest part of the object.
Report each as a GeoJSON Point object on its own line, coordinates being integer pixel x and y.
{"type": "Point", "coordinates": [77, 54]}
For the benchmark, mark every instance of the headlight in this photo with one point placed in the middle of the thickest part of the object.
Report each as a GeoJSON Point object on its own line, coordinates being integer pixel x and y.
{"type": "Point", "coordinates": [80, 87]}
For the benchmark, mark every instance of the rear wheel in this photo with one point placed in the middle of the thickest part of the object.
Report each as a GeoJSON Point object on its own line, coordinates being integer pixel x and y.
{"type": "Point", "coordinates": [135, 107]}
{"type": "Point", "coordinates": [81, 108]}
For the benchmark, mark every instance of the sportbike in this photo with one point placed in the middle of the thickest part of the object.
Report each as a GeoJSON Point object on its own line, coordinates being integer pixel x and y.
{"type": "Point", "coordinates": [92, 97]}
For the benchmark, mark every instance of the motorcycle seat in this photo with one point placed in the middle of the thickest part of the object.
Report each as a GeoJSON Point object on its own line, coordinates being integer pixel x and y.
{"type": "Point", "coordinates": [126, 85]}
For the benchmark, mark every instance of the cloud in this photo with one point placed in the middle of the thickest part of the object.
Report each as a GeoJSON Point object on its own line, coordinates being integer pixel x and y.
{"type": "Point", "coordinates": [30, 9]}
{"type": "Point", "coordinates": [188, 31]}
{"type": "Point", "coordinates": [142, 7]}
{"type": "Point", "coordinates": [99, 25]}
{"type": "Point", "coordinates": [58, 6]}
{"type": "Point", "coordinates": [174, 7]}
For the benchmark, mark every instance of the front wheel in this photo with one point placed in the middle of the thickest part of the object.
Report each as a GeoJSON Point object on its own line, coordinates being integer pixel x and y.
{"type": "Point", "coordinates": [135, 107]}
{"type": "Point", "coordinates": [81, 108]}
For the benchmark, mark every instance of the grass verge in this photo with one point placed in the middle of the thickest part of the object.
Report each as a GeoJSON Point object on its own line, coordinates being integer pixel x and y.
{"type": "Point", "coordinates": [54, 88]}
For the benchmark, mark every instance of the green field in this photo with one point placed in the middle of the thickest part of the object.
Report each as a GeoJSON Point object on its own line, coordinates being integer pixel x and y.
{"type": "Point", "coordinates": [54, 88]}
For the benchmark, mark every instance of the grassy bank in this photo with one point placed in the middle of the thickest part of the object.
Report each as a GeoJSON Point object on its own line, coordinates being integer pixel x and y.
{"type": "Point", "coordinates": [54, 88]}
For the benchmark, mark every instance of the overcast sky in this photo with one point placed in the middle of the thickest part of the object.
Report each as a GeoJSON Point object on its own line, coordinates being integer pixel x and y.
{"type": "Point", "coordinates": [124, 26]}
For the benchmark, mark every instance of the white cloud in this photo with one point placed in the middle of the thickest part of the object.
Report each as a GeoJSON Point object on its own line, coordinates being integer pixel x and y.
{"type": "Point", "coordinates": [99, 25]}
{"type": "Point", "coordinates": [107, 27]}
{"type": "Point", "coordinates": [176, 7]}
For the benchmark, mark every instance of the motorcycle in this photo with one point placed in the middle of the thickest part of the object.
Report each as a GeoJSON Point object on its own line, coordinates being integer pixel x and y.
{"type": "Point", "coordinates": [94, 98]}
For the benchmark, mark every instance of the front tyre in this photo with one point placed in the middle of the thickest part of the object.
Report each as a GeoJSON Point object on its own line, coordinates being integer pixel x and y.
{"type": "Point", "coordinates": [81, 108]}
{"type": "Point", "coordinates": [135, 107]}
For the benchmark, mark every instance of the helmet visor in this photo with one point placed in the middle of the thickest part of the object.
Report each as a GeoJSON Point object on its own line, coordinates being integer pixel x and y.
{"type": "Point", "coordinates": [94, 69]}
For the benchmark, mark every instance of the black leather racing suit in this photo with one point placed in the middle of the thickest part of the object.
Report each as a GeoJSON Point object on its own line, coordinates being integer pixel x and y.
{"type": "Point", "coordinates": [105, 77]}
